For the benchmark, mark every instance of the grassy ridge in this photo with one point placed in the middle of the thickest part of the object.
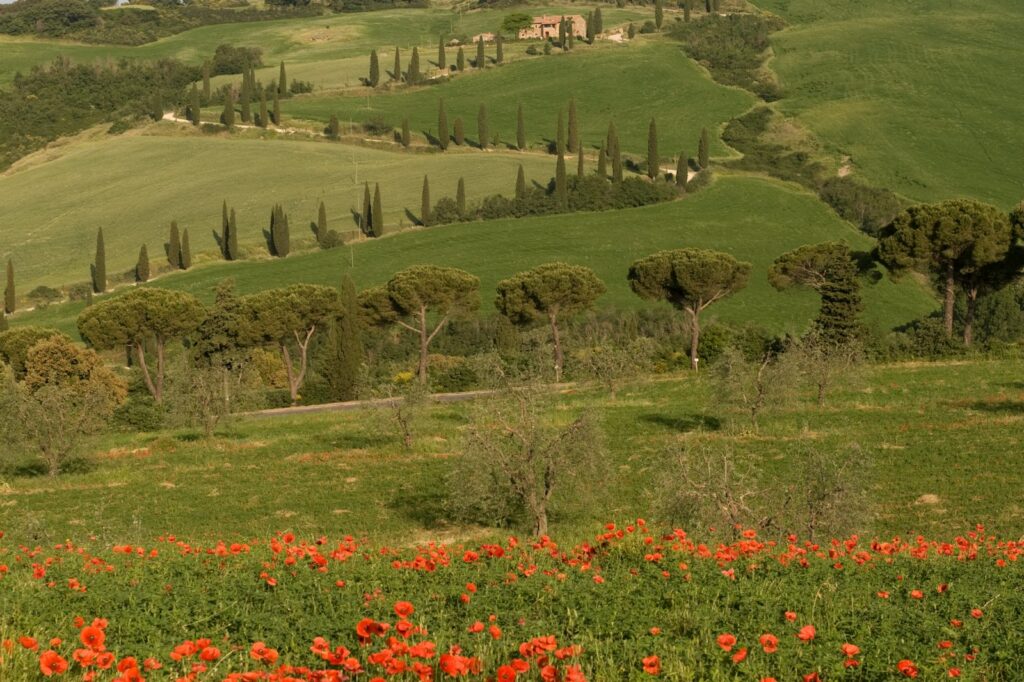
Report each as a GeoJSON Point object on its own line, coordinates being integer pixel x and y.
{"type": "Point", "coordinates": [925, 99]}
{"type": "Point", "coordinates": [610, 83]}
{"type": "Point", "coordinates": [753, 219]}
{"type": "Point", "coordinates": [134, 186]}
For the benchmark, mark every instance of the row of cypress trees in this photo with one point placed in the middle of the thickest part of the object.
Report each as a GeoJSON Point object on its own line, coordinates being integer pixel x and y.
{"type": "Point", "coordinates": [414, 74]}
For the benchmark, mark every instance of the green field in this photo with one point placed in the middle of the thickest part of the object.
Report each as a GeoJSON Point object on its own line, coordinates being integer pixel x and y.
{"type": "Point", "coordinates": [686, 99]}
{"type": "Point", "coordinates": [752, 218]}
{"type": "Point", "coordinates": [134, 186]}
{"type": "Point", "coordinates": [915, 437]}
{"type": "Point", "coordinates": [926, 97]}
{"type": "Point", "coordinates": [299, 41]}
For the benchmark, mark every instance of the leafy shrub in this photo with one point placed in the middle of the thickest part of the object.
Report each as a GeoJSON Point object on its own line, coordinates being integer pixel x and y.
{"type": "Point", "coordinates": [649, 27]}
{"type": "Point", "coordinates": [300, 87]}
{"type": "Point", "coordinates": [230, 59]}
{"type": "Point", "coordinates": [377, 125]}
{"type": "Point", "coordinates": [139, 413]}
{"type": "Point", "coordinates": [43, 296]}
{"type": "Point", "coordinates": [870, 208]}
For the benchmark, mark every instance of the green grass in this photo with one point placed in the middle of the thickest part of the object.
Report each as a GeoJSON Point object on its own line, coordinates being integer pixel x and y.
{"type": "Point", "coordinates": [925, 97]}
{"type": "Point", "coordinates": [628, 84]}
{"type": "Point", "coordinates": [134, 186]}
{"type": "Point", "coordinates": [947, 429]}
{"type": "Point", "coordinates": [752, 218]}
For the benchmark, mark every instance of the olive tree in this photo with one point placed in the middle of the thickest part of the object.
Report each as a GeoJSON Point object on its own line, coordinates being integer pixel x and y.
{"type": "Point", "coordinates": [15, 343]}
{"type": "Point", "coordinates": [548, 292]}
{"type": "Point", "coordinates": [139, 317]}
{"type": "Point", "coordinates": [830, 270]}
{"type": "Point", "coordinates": [422, 300]}
{"type": "Point", "coordinates": [690, 280]}
{"type": "Point", "coordinates": [293, 314]}
{"type": "Point", "coordinates": [67, 394]}
{"type": "Point", "coordinates": [953, 242]}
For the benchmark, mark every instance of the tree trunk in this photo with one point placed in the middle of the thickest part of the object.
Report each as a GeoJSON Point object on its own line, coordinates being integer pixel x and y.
{"type": "Point", "coordinates": [950, 299]}
{"type": "Point", "coordinates": [556, 339]}
{"type": "Point", "coordinates": [292, 390]}
{"type": "Point", "coordinates": [140, 353]}
{"type": "Point", "coordinates": [424, 344]}
{"type": "Point", "coordinates": [159, 370]}
{"type": "Point", "coordinates": [694, 339]}
{"type": "Point", "coordinates": [972, 304]}
{"type": "Point", "coordinates": [540, 521]}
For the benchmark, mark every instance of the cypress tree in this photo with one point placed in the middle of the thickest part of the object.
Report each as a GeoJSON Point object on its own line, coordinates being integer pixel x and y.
{"type": "Point", "coordinates": [460, 197]}
{"type": "Point", "coordinates": [602, 164]}
{"type": "Point", "coordinates": [333, 127]}
{"type": "Point", "coordinates": [232, 237]}
{"type": "Point", "coordinates": [560, 134]}
{"type": "Point", "coordinates": [561, 191]}
{"type": "Point", "coordinates": [561, 35]}
{"type": "Point", "coordinates": [659, 13]}
{"type": "Point", "coordinates": [499, 56]}
{"type": "Point", "coordinates": [282, 82]}
{"type": "Point", "coordinates": [480, 57]}
{"type": "Point", "coordinates": [194, 109]}
{"type": "Point", "coordinates": [682, 171]}
{"type": "Point", "coordinates": [653, 165]}
{"type": "Point", "coordinates": [263, 108]}
{"type": "Point", "coordinates": [459, 131]}
{"type": "Point", "coordinates": [616, 163]}
{"type": "Point", "coordinates": [10, 299]}
{"type": "Point", "coordinates": [321, 225]}
{"type": "Point", "coordinates": [425, 203]}
{"type": "Point", "coordinates": [174, 247]}
{"type": "Point", "coordinates": [579, 159]}
{"type": "Point", "coordinates": [520, 129]}
{"type": "Point", "coordinates": [374, 79]}
{"type": "Point", "coordinates": [377, 214]}
{"type": "Point", "coordinates": [344, 355]}
{"type": "Point", "coordinates": [277, 108]}
{"type": "Point", "coordinates": [574, 128]}
{"type": "Point", "coordinates": [482, 128]}
{"type": "Point", "coordinates": [590, 27]}
{"type": "Point", "coordinates": [364, 217]}
{"type": "Point", "coordinates": [285, 247]}
{"type": "Point", "coordinates": [206, 81]}
{"type": "Point", "coordinates": [442, 126]}
{"type": "Point", "coordinates": [687, 8]}
{"type": "Point", "coordinates": [413, 76]}
{"type": "Point", "coordinates": [396, 75]}
{"type": "Point", "coordinates": [570, 35]}
{"type": "Point", "coordinates": [186, 251]}
{"type": "Point", "coordinates": [4, 326]}
{"type": "Point", "coordinates": [245, 99]}
{"type": "Point", "coordinates": [520, 183]}
{"type": "Point", "coordinates": [406, 135]}
{"type": "Point", "coordinates": [442, 57]}
{"type": "Point", "coordinates": [142, 266]}
{"type": "Point", "coordinates": [228, 117]}
{"type": "Point", "coordinates": [703, 152]}
{"type": "Point", "coordinates": [631, 31]}
{"type": "Point", "coordinates": [460, 61]}
{"type": "Point", "coordinates": [99, 268]}
{"type": "Point", "coordinates": [707, 6]}
{"type": "Point", "coordinates": [598, 22]}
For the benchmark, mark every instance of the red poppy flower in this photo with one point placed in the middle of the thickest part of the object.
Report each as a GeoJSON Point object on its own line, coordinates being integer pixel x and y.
{"type": "Point", "coordinates": [907, 668]}
{"type": "Point", "coordinates": [404, 609]}
{"type": "Point", "coordinates": [51, 663]}
{"type": "Point", "coordinates": [93, 638]}
{"type": "Point", "coordinates": [210, 653]}
{"type": "Point", "coordinates": [726, 641]}
{"type": "Point", "coordinates": [740, 655]}
{"type": "Point", "coordinates": [652, 665]}
{"type": "Point", "coordinates": [849, 650]}
{"type": "Point", "coordinates": [769, 642]}
{"type": "Point", "coordinates": [806, 633]}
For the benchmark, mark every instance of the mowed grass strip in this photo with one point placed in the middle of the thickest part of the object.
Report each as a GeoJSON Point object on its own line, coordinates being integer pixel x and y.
{"type": "Point", "coordinates": [926, 100]}
{"type": "Point", "coordinates": [751, 218]}
{"type": "Point", "coordinates": [628, 84]}
{"type": "Point", "coordinates": [931, 463]}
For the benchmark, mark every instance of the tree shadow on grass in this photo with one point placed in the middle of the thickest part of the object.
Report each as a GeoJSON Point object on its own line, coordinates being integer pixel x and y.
{"type": "Point", "coordinates": [425, 506]}
{"type": "Point", "coordinates": [33, 468]}
{"type": "Point", "coordinates": [999, 406]}
{"type": "Point", "coordinates": [684, 423]}
{"type": "Point", "coordinates": [1014, 385]}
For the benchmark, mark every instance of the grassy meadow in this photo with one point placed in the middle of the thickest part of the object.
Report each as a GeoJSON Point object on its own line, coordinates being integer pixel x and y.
{"type": "Point", "coordinates": [752, 218]}
{"type": "Point", "coordinates": [950, 430]}
{"type": "Point", "coordinates": [925, 97]}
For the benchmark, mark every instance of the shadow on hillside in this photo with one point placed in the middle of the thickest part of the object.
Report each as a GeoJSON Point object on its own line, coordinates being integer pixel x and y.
{"type": "Point", "coordinates": [685, 423]}
{"type": "Point", "coordinates": [37, 468]}
{"type": "Point", "coordinates": [1013, 385]}
{"type": "Point", "coordinates": [424, 507]}
{"type": "Point", "coordinates": [999, 406]}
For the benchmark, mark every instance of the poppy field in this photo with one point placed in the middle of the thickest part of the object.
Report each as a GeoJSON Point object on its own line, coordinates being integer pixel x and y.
{"type": "Point", "coordinates": [631, 603]}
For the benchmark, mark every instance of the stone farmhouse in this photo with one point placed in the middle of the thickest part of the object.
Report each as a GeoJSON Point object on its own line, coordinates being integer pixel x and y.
{"type": "Point", "coordinates": [547, 27]}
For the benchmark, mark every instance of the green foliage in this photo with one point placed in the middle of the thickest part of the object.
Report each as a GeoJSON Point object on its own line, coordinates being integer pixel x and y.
{"type": "Point", "coordinates": [653, 160]}
{"type": "Point", "coordinates": [733, 48]}
{"type": "Point", "coordinates": [186, 251]}
{"type": "Point", "coordinates": [341, 357]}
{"type": "Point", "coordinates": [374, 78]}
{"type": "Point", "coordinates": [458, 132]}
{"type": "Point", "coordinates": [377, 216]}
{"type": "Point", "coordinates": [142, 266]}
{"type": "Point", "coordinates": [413, 74]}
{"type": "Point", "coordinates": [15, 344]}
{"type": "Point", "coordinates": [830, 270]}
{"type": "Point", "coordinates": [483, 128]}
{"type": "Point", "coordinates": [514, 23]}
{"type": "Point", "coordinates": [280, 233]}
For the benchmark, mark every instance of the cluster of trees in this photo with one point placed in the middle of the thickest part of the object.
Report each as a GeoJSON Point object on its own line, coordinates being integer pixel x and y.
{"type": "Point", "coordinates": [87, 21]}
